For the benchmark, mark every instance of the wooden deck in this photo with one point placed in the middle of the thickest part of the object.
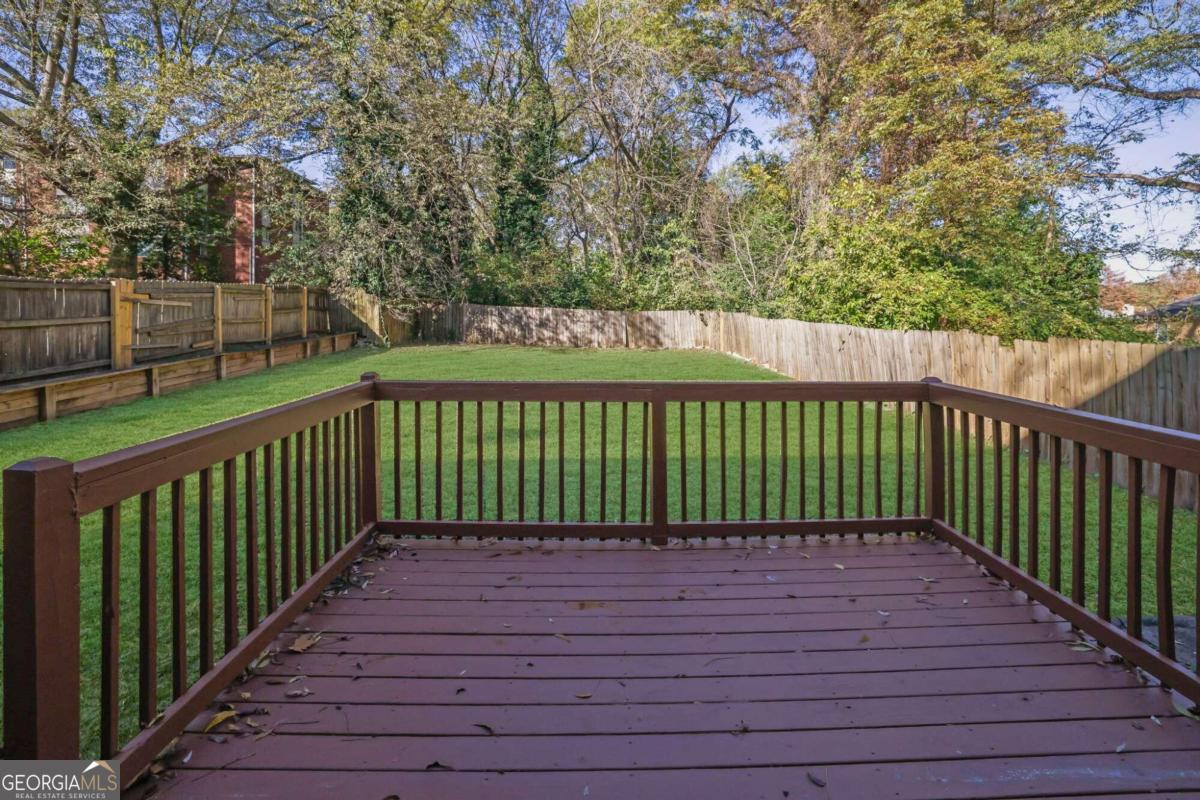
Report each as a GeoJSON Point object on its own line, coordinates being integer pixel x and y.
{"type": "Point", "coordinates": [790, 669]}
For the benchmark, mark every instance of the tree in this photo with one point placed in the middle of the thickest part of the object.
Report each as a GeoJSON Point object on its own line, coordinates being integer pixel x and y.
{"type": "Point", "coordinates": [123, 107]}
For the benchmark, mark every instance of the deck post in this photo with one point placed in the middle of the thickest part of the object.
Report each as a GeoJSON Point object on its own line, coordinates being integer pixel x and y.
{"type": "Point", "coordinates": [41, 611]}
{"type": "Point", "coordinates": [370, 496]}
{"type": "Point", "coordinates": [935, 459]}
{"type": "Point", "coordinates": [658, 447]}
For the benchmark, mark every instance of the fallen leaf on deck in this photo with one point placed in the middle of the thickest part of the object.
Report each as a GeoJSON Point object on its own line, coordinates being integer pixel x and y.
{"type": "Point", "coordinates": [305, 692]}
{"type": "Point", "coordinates": [927, 580]}
{"type": "Point", "coordinates": [740, 728]}
{"type": "Point", "coordinates": [485, 728]}
{"type": "Point", "coordinates": [561, 636]}
{"type": "Point", "coordinates": [584, 695]}
{"type": "Point", "coordinates": [438, 765]}
{"type": "Point", "coordinates": [864, 639]}
{"type": "Point", "coordinates": [883, 613]}
{"type": "Point", "coordinates": [840, 566]}
{"type": "Point", "coordinates": [218, 718]}
{"type": "Point", "coordinates": [244, 695]}
{"type": "Point", "coordinates": [805, 555]}
{"type": "Point", "coordinates": [1121, 747]}
{"type": "Point", "coordinates": [816, 781]}
{"type": "Point", "coordinates": [304, 641]}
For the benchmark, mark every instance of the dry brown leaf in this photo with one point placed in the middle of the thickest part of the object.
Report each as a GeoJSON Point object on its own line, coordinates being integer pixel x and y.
{"type": "Point", "coordinates": [561, 636]}
{"type": "Point", "coordinates": [584, 695]}
{"type": "Point", "coordinates": [304, 641]}
{"type": "Point", "coordinates": [840, 566]}
{"type": "Point", "coordinates": [218, 718]}
{"type": "Point", "coordinates": [305, 692]}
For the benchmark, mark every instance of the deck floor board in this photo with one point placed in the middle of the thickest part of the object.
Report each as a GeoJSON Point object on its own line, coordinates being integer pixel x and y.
{"type": "Point", "coordinates": [798, 668]}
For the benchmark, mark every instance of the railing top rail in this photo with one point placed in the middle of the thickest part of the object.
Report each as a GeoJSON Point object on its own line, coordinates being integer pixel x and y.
{"type": "Point", "coordinates": [1173, 448]}
{"type": "Point", "coordinates": [112, 477]}
{"type": "Point", "coordinates": [671, 391]}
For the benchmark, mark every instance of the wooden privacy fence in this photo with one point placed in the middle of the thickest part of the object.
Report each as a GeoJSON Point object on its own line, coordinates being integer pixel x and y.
{"type": "Point", "coordinates": [1149, 383]}
{"type": "Point", "coordinates": [49, 328]}
{"type": "Point", "coordinates": [299, 489]}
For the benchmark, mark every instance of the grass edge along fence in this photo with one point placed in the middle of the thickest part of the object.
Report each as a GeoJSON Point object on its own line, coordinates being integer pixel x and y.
{"type": "Point", "coordinates": [301, 513]}
{"type": "Point", "coordinates": [1148, 383]}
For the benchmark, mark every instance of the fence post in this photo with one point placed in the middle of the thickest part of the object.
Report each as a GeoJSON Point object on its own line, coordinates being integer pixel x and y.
{"type": "Point", "coordinates": [41, 611]}
{"type": "Point", "coordinates": [658, 453]}
{"type": "Point", "coordinates": [268, 317]}
{"type": "Point", "coordinates": [369, 455]}
{"type": "Point", "coordinates": [304, 315]}
{"type": "Point", "coordinates": [121, 323]}
{"type": "Point", "coordinates": [218, 322]}
{"type": "Point", "coordinates": [935, 459]}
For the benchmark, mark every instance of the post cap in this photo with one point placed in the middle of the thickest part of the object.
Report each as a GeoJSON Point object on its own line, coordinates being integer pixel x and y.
{"type": "Point", "coordinates": [930, 379]}
{"type": "Point", "coordinates": [369, 376]}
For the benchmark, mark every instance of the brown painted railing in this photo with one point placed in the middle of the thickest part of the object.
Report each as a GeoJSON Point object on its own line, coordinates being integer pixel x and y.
{"type": "Point", "coordinates": [301, 487]}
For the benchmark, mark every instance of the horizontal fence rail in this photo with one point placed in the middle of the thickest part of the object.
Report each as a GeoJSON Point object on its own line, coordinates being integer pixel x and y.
{"type": "Point", "coordinates": [49, 328]}
{"type": "Point", "coordinates": [202, 547]}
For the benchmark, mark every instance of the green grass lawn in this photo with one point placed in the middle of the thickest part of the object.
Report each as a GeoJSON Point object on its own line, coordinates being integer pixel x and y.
{"type": "Point", "coordinates": [108, 429]}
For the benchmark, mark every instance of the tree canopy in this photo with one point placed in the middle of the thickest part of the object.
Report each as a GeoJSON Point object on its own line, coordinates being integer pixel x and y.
{"type": "Point", "coordinates": [934, 163]}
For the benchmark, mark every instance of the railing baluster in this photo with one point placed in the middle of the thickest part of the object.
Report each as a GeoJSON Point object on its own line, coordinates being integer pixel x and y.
{"type": "Point", "coordinates": [624, 461]}
{"type": "Point", "coordinates": [438, 455]}
{"type": "Point", "coordinates": [951, 505]}
{"type": "Point", "coordinates": [229, 529]}
{"type": "Point", "coordinates": [326, 486]}
{"type": "Point", "coordinates": [858, 486]}
{"type": "Point", "coordinates": [397, 463]}
{"type": "Point", "coordinates": [300, 508]}
{"type": "Point", "coordinates": [1133, 549]}
{"type": "Point", "coordinates": [802, 472]}
{"type": "Point", "coordinates": [1104, 544]}
{"type": "Point", "coordinates": [603, 461]}
{"type": "Point", "coordinates": [437, 459]}
{"type": "Point", "coordinates": [934, 435]}
{"type": "Point", "coordinates": [582, 464]}
{"type": "Point", "coordinates": [1032, 555]}
{"type": "Point", "coordinates": [900, 458]}
{"type": "Point", "coordinates": [783, 459]}
{"type": "Point", "coordinates": [964, 420]}
{"type": "Point", "coordinates": [479, 457]}
{"type": "Point", "coordinates": [1014, 495]}
{"type": "Point", "coordinates": [521, 461]}
{"type": "Point", "coordinates": [479, 434]}
{"type": "Point", "coordinates": [645, 458]}
{"type": "Point", "coordinates": [1163, 554]}
{"type": "Point", "coordinates": [762, 461]}
{"type": "Point", "coordinates": [418, 473]}
{"type": "Point", "coordinates": [979, 446]}
{"type": "Point", "coordinates": [359, 473]}
{"type": "Point", "coordinates": [500, 460]}
{"type": "Point", "coordinates": [148, 609]}
{"type": "Point", "coordinates": [821, 460]}
{"type": "Point", "coordinates": [285, 517]}
{"type": "Point", "coordinates": [562, 465]}
{"type": "Point", "coordinates": [110, 632]}
{"type": "Point", "coordinates": [1078, 519]}
{"type": "Point", "coordinates": [724, 448]}
{"type": "Point", "coordinates": [841, 459]}
{"type": "Point", "coordinates": [683, 498]}
{"type": "Point", "coordinates": [339, 528]}
{"type": "Point", "coordinates": [997, 487]}
{"type": "Point", "coordinates": [918, 463]}
{"type": "Point", "coordinates": [250, 467]}
{"type": "Point", "coordinates": [703, 461]}
{"type": "Point", "coordinates": [878, 459]}
{"type": "Point", "coordinates": [742, 456]}
{"type": "Point", "coordinates": [314, 499]}
{"type": "Point", "coordinates": [272, 565]}
{"type": "Point", "coordinates": [460, 427]}
{"type": "Point", "coordinates": [179, 626]}
{"type": "Point", "coordinates": [1056, 513]}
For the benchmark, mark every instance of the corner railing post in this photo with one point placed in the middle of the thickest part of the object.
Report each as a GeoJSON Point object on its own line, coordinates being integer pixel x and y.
{"type": "Point", "coordinates": [935, 460]}
{"type": "Point", "coordinates": [41, 611]}
{"type": "Point", "coordinates": [369, 450]}
{"type": "Point", "coordinates": [658, 448]}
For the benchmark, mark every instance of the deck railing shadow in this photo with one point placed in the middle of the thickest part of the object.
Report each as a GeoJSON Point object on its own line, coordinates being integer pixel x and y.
{"type": "Point", "coordinates": [301, 488]}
